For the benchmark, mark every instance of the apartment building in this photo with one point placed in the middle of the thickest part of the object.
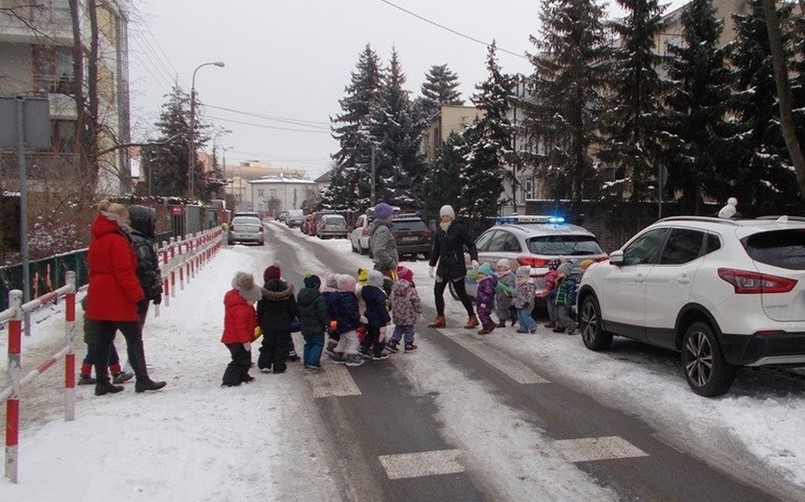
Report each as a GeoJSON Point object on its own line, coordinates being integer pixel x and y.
{"type": "Point", "coordinates": [36, 44]}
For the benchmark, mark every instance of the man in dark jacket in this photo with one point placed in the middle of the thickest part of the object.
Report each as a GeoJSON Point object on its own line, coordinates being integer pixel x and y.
{"type": "Point", "coordinates": [275, 311]}
{"type": "Point", "coordinates": [449, 241]}
{"type": "Point", "coordinates": [143, 224]}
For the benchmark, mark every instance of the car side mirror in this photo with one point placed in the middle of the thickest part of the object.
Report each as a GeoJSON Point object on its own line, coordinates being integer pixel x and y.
{"type": "Point", "coordinates": [616, 257]}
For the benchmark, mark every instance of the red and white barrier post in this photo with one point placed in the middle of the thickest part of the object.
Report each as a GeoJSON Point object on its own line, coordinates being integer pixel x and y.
{"type": "Point", "coordinates": [13, 378]}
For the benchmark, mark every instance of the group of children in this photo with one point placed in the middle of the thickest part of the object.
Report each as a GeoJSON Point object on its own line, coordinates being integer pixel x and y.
{"type": "Point", "coordinates": [511, 295]}
{"type": "Point", "coordinates": [352, 312]}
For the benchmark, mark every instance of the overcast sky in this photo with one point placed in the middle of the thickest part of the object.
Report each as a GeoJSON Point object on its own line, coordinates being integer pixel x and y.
{"type": "Point", "coordinates": [290, 61]}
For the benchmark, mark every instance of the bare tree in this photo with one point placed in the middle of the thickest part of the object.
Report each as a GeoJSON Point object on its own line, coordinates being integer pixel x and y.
{"type": "Point", "coordinates": [784, 90]}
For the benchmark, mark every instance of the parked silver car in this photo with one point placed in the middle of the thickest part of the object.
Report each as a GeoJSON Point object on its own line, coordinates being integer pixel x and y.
{"type": "Point", "coordinates": [331, 225]}
{"type": "Point", "coordinates": [246, 229]}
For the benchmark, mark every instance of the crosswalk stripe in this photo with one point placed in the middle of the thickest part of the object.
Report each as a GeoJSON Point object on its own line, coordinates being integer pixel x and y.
{"type": "Point", "coordinates": [600, 448]}
{"type": "Point", "coordinates": [333, 380]}
{"type": "Point", "coordinates": [426, 463]}
{"type": "Point", "coordinates": [508, 365]}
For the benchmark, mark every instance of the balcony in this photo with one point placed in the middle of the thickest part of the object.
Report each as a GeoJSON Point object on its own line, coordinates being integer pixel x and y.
{"type": "Point", "coordinates": [48, 17]}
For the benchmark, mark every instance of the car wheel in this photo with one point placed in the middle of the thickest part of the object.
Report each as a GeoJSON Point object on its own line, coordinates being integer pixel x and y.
{"type": "Point", "coordinates": [706, 371]}
{"type": "Point", "coordinates": [592, 334]}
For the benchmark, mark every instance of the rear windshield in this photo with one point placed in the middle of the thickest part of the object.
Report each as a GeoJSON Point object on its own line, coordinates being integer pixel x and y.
{"type": "Point", "coordinates": [569, 245]}
{"type": "Point", "coordinates": [782, 248]}
{"type": "Point", "coordinates": [245, 220]}
{"type": "Point", "coordinates": [335, 220]}
{"type": "Point", "coordinates": [408, 225]}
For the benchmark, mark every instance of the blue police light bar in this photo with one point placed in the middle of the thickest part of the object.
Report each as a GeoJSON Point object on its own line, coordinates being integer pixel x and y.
{"type": "Point", "coordinates": [515, 219]}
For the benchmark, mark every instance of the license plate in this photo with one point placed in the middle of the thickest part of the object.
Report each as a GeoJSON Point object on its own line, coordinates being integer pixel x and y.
{"type": "Point", "coordinates": [410, 239]}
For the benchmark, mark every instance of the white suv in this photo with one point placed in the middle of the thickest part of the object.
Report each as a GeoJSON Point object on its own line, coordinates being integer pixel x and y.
{"type": "Point", "coordinates": [724, 293]}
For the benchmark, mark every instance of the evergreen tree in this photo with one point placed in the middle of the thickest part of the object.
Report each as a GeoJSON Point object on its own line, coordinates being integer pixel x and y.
{"type": "Point", "coordinates": [166, 163]}
{"type": "Point", "coordinates": [394, 128]}
{"type": "Point", "coordinates": [489, 143]}
{"type": "Point", "coordinates": [570, 71]}
{"type": "Point", "coordinates": [762, 176]}
{"type": "Point", "coordinates": [695, 124]}
{"type": "Point", "coordinates": [439, 88]}
{"type": "Point", "coordinates": [632, 147]}
{"type": "Point", "coordinates": [350, 184]}
{"type": "Point", "coordinates": [442, 184]}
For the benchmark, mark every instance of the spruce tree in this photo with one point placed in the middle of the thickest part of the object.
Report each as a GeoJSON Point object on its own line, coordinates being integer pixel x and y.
{"type": "Point", "coordinates": [632, 147]}
{"type": "Point", "coordinates": [562, 116]}
{"type": "Point", "coordinates": [442, 182]}
{"type": "Point", "coordinates": [439, 88]}
{"type": "Point", "coordinates": [489, 143]}
{"type": "Point", "coordinates": [165, 164]}
{"type": "Point", "coordinates": [350, 184]}
{"type": "Point", "coordinates": [394, 128]}
{"type": "Point", "coordinates": [694, 125]}
{"type": "Point", "coordinates": [762, 176]}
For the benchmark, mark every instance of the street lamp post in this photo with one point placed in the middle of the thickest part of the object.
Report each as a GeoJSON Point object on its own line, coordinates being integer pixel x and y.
{"type": "Point", "coordinates": [191, 154]}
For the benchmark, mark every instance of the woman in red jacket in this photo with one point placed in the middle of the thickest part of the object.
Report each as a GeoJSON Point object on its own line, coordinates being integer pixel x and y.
{"type": "Point", "coordinates": [240, 321]}
{"type": "Point", "coordinates": [112, 296]}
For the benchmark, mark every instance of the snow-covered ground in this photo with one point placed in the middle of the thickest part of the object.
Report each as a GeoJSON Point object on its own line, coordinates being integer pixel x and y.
{"type": "Point", "coordinates": [198, 441]}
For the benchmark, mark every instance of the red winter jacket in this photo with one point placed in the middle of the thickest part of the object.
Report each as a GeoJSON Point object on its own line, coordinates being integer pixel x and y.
{"type": "Point", "coordinates": [240, 319]}
{"type": "Point", "coordinates": [114, 289]}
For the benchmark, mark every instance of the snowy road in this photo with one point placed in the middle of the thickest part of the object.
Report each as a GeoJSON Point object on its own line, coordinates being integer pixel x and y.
{"type": "Point", "coordinates": [497, 418]}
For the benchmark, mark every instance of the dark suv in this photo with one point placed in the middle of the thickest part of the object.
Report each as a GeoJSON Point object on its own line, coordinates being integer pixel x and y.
{"type": "Point", "coordinates": [412, 234]}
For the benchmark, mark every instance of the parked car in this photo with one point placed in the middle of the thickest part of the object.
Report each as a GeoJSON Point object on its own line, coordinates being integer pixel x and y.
{"type": "Point", "coordinates": [246, 229]}
{"type": "Point", "coordinates": [315, 218]}
{"type": "Point", "coordinates": [534, 241]}
{"type": "Point", "coordinates": [331, 225]}
{"type": "Point", "coordinates": [294, 217]}
{"type": "Point", "coordinates": [723, 293]}
{"type": "Point", "coordinates": [281, 216]}
{"type": "Point", "coordinates": [305, 225]}
{"type": "Point", "coordinates": [411, 232]}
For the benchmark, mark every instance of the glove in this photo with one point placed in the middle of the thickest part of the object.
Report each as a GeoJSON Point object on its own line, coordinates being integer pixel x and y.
{"type": "Point", "coordinates": [258, 332]}
{"type": "Point", "coordinates": [157, 299]}
{"type": "Point", "coordinates": [364, 320]}
{"type": "Point", "coordinates": [247, 346]}
{"type": "Point", "coordinates": [475, 264]}
{"type": "Point", "coordinates": [483, 306]}
{"type": "Point", "coordinates": [430, 272]}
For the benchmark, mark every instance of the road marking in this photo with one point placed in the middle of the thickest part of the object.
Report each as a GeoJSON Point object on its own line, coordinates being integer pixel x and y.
{"type": "Point", "coordinates": [426, 463]}
{"type": "Point", "coordinates": [602, 448]}
{"type": "Point", "coordinates": [508, 365]}
{"type": "Point", "coordinates": [333, 380]}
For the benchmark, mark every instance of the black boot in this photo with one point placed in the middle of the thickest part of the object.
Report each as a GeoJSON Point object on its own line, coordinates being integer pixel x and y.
{"type": "Point", "coordinates": [103, 388]}
{"type": "Point", "coordinates": [144, 385]}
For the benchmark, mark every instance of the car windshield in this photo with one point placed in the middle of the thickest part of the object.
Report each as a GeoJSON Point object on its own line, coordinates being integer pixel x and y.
{"type": "Point", "coordinates": [245, 220]}
{"type": "Point", "coordinates": [564, 245]}
{"type": "Point", "coordinates": [785, 249]}
{"type": "Point", "coordinates": [408, 225]}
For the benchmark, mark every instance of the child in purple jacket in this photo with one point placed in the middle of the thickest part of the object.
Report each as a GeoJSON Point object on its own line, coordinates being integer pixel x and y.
{"type": "Point", "coordinates": [485, 297]}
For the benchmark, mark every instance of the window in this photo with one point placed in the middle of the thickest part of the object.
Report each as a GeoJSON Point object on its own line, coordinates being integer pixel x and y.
{"type": "Point", "coordinates": [683, 245]}
{"type": "Point", "coordinates": [564, 245]}
{"type": "Point", "coordinates": [482, 244]}
{"type": "Point", "coordinates": [261, 192]}
{"type": "Point", "coordinates": [528, 188]}
{"type": "Point", "coordinates": [53, 69]}
{"type": "Point", "coordinates": [63, 136]}
{"type": "Point", "coordinates": [504, 242]}
{"type": "Point", "coordinates": [645, 248]}
{"type": "Point", "coordinates": [784, 248]}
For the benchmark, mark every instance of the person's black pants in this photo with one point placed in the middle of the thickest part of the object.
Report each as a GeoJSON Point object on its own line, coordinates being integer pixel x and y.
{"type": "Point", "coordinates": [461, 291]}
{"type": "Point", "coordinates": [238, 369]}
{"type": "Point", "coordinates": [134, 348]}
{"type": "Point", "coordinates": [274, 350]}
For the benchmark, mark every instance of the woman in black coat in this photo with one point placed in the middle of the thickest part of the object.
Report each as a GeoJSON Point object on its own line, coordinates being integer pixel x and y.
{"type": "Point", "coordinates": [449, 241]}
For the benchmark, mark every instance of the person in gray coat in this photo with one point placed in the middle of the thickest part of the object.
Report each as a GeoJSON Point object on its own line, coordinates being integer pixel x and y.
{"type": "Point", "coordinates": [381, 241]}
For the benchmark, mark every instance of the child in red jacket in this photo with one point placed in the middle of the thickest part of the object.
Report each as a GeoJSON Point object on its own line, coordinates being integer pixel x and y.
{"type": "Point", "coordinates": [240, 320]}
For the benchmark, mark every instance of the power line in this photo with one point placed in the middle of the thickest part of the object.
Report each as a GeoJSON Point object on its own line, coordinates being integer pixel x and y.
{"type": "Point", "coordinates": [268, 126]}
{"type": "Point", "coordinates": [434, 23]}
{"type": "Point", "coordinates": [299, 122]}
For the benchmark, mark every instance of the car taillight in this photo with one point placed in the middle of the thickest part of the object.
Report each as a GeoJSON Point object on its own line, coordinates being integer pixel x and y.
{"type": "Point", "coordinates": [752, 283]}
{"type": "Point", "coordinates": [532, 261]}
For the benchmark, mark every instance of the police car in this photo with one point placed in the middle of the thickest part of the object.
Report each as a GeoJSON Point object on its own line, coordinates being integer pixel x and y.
{"type": "Point", "coordinates": [534, 241]}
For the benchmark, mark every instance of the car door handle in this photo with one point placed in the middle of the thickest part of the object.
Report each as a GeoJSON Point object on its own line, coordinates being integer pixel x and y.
{"type": "Point", "coordinates": [640, 278]}
{"type": "Point", "coordinates": [683, 279]}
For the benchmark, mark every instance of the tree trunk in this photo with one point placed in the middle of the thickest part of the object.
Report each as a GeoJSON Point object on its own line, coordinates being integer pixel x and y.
{"type": "Point", "coordinates": [784, 92]}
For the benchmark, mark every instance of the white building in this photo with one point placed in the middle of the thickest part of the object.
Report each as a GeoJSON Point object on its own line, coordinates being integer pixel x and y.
{"type": "Point", "coordinates": [280, 193]}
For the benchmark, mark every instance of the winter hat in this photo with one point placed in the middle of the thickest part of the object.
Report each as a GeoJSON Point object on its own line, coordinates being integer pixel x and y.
{"type": "Point", "coordinates": [375, 279]}
{"type": "Point", "coordinates": [554, 264]}
{"type": "Point", "coordinates": [405, 273]}
{"type": "Point", "coordinates": [346, 282]}
{"type": "Point", "coordinates": [383, 211]}
{"type": "Point", "coordinates": [312, 280]}
{"type": "Point", "coordinates": [503, 262]}
{"type": "Point", "coordinates": [486, 269]}
{"type": "Point", "coordinates": [565, 268]}
{"type": "Point", "coordinates": [363, 275]}
{"type": "Point", "coordinates": [244, 283]}
{"type": "Point", "coordinates": [272, 272]}
{"type": "Point", "coordinates": [583, 264]}
{"type": "Point", "coordinates": [330, 280]}
{"type": "Point", "coordinates": [115, 212]}
{"type": "Point", "coordinates": [523, 271]}
{"type": "Point", "coordinates": [447, 210]}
